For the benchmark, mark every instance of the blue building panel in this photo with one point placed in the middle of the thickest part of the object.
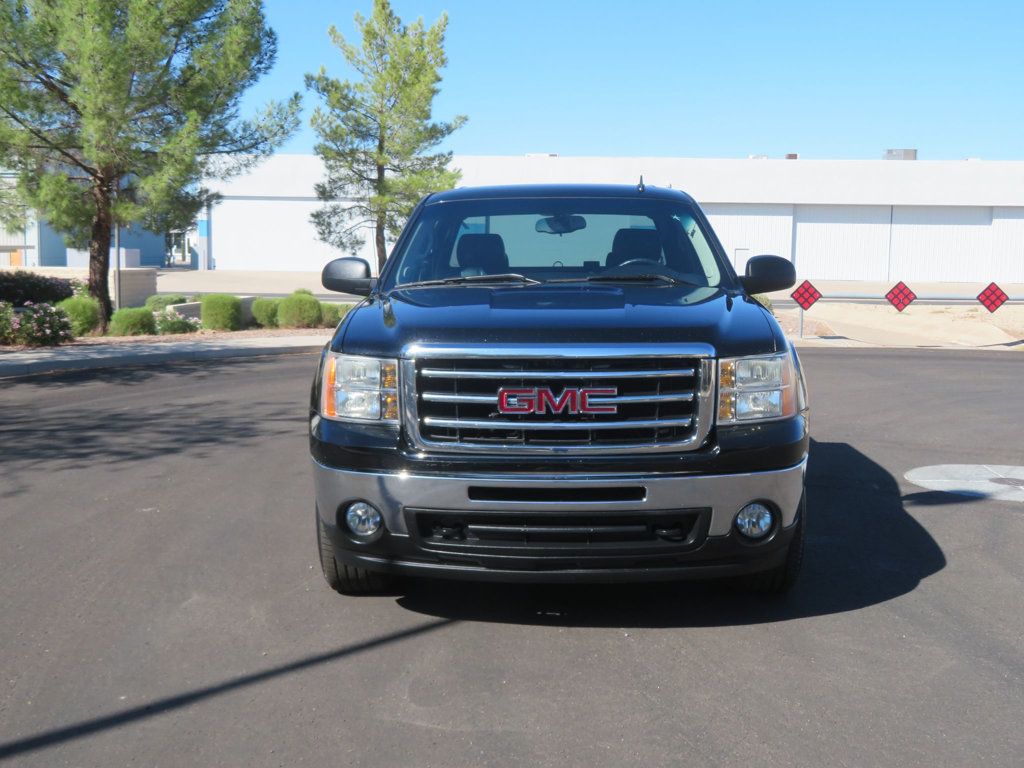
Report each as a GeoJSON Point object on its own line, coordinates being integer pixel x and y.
{"type": "Point", "coordinates": [152, 247]}
{"type": "Point", "coordinates": [53, 250]}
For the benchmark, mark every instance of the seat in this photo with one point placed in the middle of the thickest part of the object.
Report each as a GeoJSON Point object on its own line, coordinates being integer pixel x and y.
{"type": "Point", "coordinates": [481, 254]}
{"type": "Point", "coordinates": [632, 244]}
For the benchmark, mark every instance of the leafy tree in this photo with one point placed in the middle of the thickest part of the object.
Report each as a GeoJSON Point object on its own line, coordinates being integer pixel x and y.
{"type": "Point", "coordinates": [375, 134]}
{"type": "Point", "coordinates": [113, 111]}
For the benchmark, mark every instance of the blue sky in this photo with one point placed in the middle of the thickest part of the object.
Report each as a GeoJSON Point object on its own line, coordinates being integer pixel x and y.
{"type": "Point", "coordinates": [716, 78]}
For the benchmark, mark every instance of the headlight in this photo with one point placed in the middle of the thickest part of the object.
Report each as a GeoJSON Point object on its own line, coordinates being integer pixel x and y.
{"type": "Point", "coordinates": [359, 389]}
{"type": "Point", "coordinates": [757, 388]}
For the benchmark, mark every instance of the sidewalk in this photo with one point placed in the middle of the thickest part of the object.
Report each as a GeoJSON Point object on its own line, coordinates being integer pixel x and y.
{"type": "Point", "coordinates": [72, 358]}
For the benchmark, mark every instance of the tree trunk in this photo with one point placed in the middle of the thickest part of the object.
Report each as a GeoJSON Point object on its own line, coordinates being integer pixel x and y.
{"type": "Point", "coordinates": [382, 220]}
{"type": "Point", "coordinates": [382, 253]}
{"type": "Point", "coordinates": [99, 255]}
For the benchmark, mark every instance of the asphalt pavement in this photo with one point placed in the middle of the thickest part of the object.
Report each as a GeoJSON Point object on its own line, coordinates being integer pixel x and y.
{"type": "Point", "coordinates": [161, 603]}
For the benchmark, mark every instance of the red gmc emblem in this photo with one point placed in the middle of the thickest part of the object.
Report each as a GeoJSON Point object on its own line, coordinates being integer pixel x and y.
{"type": "Point", "coordinates": [543, 400]}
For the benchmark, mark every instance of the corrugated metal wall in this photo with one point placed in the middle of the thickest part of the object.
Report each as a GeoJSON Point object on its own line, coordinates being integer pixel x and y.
{"type": "Point", "coordinates": [1006, 252]}
{"type": "Point", "coordinates": [878, 242]}
{"type": "Point", "coordinates": [12, 239]}
{"type": "Point", "coordinates": [271, 234]}
{"type": "Point", "coordinates": [842, 242]}
{"type": "Point", "coordinates": [749, 230]}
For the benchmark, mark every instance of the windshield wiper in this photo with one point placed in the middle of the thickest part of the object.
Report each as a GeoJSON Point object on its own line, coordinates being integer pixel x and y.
{"type": "Point", "coordinates": [507, 277]}
{"type": "Point", "coordinates": [647, 277]}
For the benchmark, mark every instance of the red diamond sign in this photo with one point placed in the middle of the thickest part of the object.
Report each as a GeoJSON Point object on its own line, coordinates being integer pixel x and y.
{"type": "Point", "coordinates": [993, 297]}
{"type": "Point", "coordinates": [900, 296]}
{"type": "Point", "coordinates": [805, 295]}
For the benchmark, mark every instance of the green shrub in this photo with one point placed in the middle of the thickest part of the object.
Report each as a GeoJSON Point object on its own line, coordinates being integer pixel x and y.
{"type": "Point", "coordinates": [333, 313]}
{"type": "Point", "coordinates": [132, 321]}
{"type": "Point", "coordinates": [221, 312]}
{"type": "Point", "coordinates": [8, 325]}
{"type": "Point", "coordinates": [169, 322]}
{"type": "Point", "coordinates": [264, 312]}
{"type": "Point", "coordinates": [84, 312]}
{"type": "Point", "coordinates": [304, 291]}
{"type": "Point", "coordinates": [42, 325]}
{"type": "Point", "coordinates": [21, 287]}
{"type": "Point", "coordinates": [764, 301]}
{"type": "Point", "coordinates": [160, 302]}
{"type": "Point", "coordinates": [300, 310]}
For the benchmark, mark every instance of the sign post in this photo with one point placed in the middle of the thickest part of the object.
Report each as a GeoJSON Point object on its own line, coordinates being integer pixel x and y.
{"type": "Point", "coordinates": [805, 295]}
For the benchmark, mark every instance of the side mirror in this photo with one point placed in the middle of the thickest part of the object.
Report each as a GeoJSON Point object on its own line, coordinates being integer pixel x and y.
{"type": "Point", "coordinates": [768, 273]}
{"type": "Point", "coordinates": [348, 275]}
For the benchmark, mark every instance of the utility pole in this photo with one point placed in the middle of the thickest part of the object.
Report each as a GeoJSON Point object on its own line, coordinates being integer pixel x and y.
{"type": "Point", "coordinates": [117, 265]}
{"type": "Point", "coordinates": [117, 249]}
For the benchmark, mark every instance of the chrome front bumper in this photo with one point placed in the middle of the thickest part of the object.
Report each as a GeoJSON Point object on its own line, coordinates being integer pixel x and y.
{"type": "Point", "coordinates": [723, 494]}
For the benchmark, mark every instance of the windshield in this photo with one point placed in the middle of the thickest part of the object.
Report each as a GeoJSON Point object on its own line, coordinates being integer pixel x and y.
{"type": "Point", "coordinates": [557, 239]}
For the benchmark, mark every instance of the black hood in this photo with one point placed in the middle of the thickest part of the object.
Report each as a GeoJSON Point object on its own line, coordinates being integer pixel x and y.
{"type": "Point", "coordinates": [558, 314]}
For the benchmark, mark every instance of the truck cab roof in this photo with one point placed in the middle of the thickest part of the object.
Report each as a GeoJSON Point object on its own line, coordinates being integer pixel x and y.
{"type": "Point", "coordinates": [558, 191]}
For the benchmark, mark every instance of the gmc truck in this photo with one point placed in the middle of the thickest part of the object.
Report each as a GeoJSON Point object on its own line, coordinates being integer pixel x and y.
{"type": "Point", "coordinates": [559, 383]}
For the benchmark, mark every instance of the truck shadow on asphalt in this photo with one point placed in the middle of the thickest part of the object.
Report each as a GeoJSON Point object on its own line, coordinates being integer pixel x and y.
{"type": "Point", "coordinates": [862, 549]}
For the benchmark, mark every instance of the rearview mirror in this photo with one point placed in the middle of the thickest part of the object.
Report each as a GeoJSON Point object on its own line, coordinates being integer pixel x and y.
{"type": "Point", "coordinates": [348, 275]}
{"type": "Point", "coordinates": [768, 273]}
{"type": "Point", "coordinates": [561, 225]}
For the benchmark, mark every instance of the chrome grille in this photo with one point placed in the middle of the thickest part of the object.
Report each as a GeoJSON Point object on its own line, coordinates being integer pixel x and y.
{"type": "Point", "coordinates": [662, 399]}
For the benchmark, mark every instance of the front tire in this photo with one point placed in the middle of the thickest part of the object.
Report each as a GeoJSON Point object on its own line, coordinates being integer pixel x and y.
{"type": "Point", "coordinates": [342, 578]}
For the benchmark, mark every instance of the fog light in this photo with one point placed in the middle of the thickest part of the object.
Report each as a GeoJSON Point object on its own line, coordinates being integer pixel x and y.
{"type": "Point", "coordinates": [754, 521]}
{"type": "Point", "coordinates": [362, 519]}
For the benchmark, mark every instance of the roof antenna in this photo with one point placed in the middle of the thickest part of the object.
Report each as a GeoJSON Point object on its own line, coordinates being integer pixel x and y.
{"type": "Point", "coordinates": [640, 187]}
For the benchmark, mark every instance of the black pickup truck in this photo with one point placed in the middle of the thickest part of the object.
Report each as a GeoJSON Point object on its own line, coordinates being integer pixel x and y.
{"type": "Point", "coordinates": [559, 383]}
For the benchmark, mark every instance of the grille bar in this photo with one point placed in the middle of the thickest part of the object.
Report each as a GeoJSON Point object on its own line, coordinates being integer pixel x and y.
{"type": "Point", "coordinates": [556, 425]}
{"type": "Point", "coordinates": [528, 374]}
{"type": "Point", "coordinates": [444, 397]}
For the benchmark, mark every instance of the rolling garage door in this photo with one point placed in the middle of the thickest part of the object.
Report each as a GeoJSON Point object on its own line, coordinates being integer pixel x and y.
{"type": "Point", "coordinates": [749, 230]}
{"type": "Point", "coordinates": [944, 243]}
{"type": "Point", "coordinates": [842, 242]}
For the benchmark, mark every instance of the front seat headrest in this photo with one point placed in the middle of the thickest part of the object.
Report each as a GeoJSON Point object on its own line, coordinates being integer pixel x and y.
{"type": "Point", "coordinates": [634, 244]}
{"type": "Point", "coordinates": [483, 252]}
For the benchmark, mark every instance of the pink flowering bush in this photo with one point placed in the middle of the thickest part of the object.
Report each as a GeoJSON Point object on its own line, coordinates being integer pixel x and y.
{"type": "Point", "coordinates": [43, 325]}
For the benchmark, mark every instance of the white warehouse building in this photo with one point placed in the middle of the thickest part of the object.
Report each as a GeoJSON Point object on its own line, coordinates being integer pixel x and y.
{"type": "Point", "coordinates": [880, 220]}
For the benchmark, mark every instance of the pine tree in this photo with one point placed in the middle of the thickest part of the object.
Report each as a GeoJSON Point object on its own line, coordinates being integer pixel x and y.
{"type": "Point", "coordinates": [375, 134]}
{"type": "Point", "coordinates": [113, 111]}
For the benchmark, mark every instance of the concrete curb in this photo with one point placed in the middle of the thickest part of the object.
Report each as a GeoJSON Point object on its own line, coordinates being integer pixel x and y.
{"type": "Point", "coordinates": [132, 358]}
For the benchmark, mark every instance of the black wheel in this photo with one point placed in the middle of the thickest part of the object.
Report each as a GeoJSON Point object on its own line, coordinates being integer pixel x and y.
{"type": "Point", "coordinates": [342, 578]}
{"type": "Point", "coordinates": [781, 579]}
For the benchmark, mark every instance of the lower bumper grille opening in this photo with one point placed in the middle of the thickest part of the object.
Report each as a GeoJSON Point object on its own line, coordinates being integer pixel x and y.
{"type": "Point", "coordinates": [557, 536]}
